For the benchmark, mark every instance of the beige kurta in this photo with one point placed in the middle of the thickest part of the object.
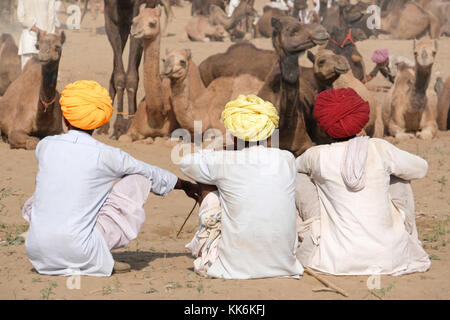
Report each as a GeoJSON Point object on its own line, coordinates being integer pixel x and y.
{"type": "Point", "coordinates": [362, 233]}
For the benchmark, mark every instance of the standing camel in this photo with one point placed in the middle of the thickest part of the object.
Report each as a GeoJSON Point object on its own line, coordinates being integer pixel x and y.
{"type": "Point", "coordinates": [118, 20]}
{"type": "Point", "coordinates": [30, 110]}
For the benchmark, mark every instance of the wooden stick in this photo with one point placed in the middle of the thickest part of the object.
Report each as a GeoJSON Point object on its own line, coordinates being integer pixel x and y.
{"type": "Point", "coordinates": [326, 282]}
{"type": "Point", "coordinates": [192, 210]}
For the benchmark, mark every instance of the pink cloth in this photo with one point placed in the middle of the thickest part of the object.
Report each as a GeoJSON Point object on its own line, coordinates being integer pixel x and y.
{"type": "Point", "coordinates": [122, 215]}
{"type": "Point", "coordinates": [380, 56]}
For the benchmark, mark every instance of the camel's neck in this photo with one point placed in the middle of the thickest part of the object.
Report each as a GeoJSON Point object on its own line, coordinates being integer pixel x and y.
{"type": "Point", "coordinates": [236, 16]}
{"type": "Point", "coordinates": [152, 80]}
{"type": "Point", "coordinates": [49, 71]}
{"type": "Point", "coordinates": [422, 79]}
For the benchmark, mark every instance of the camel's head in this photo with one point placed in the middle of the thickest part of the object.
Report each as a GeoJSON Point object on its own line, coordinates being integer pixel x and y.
{"type": "Point", "coordinates": [176, 63]}
{"type": "Point", "coordinates": [249, 9]}
{"type": "Point", "coordinates": [146, 24]}
{"type": "Point", "coordinates": [50, 47]}
{"type": "Point", "coordinates": [328, 65]}
{"type": "Point", "coordinates": [219, 33]}
{"type": "Point", "coordinates": [425, 52]}
{"type": "Point", "coordinates": [292, 37]}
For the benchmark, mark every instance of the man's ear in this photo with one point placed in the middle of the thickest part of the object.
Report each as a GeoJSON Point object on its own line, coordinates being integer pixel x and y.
{"type": "Point", "coordinates": [311, 56]}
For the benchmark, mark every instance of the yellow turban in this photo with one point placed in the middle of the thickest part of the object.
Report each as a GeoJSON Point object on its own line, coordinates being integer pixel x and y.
{"type": "Point", "coordinates": [250, 118]}
{"type": "Point", "coordinates": [86, 104]}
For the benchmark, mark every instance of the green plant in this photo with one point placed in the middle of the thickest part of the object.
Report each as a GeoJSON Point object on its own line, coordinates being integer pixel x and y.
{"type": "Point", "coordinates": [47, 291]}
{"type": "Point", "coordinates": [443, 181]}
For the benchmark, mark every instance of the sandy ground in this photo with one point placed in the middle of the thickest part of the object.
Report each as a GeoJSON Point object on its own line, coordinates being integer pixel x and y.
{"type": "Point", "coordinates": [161, 266]}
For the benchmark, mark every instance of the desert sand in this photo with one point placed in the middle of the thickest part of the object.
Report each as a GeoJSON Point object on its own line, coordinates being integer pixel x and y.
{"type": "Point", "coordinates": [161, 266]}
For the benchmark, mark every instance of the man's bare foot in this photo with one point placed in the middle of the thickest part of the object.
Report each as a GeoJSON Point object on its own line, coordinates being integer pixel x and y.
{"type": "Point", "coordinates": [121, 267]}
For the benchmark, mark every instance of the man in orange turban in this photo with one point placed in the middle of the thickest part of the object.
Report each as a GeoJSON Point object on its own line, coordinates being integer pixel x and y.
{"type": "Point", "coordinates": [76, 215]}
{"type": "Point", "coordinates": [355, 202]}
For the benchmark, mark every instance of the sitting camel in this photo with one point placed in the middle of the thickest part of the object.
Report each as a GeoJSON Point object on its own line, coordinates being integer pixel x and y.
{"type": "Point", "coordinates": [443, 103]}
{"type": "Point", "coordinates": [411, 106]}
{"type": "Point", "coordinates": [9, 62]}
{"type": "Point", "coordinates": [263, 27]}
{"type": "Point", "coordinates": [331, 70]}
{"type": "Point", "coordinates": [30, 110]}
{"type": "Point", "coordinates": [191, 101]}
{"type": "Point", "coordinates": [199, 28]}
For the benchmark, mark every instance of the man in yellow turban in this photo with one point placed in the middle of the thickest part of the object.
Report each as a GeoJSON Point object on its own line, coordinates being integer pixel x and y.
{"type": "Point", "coordinates": [247, 211]}
{"type": "Point", "coordinates": [76, 215]}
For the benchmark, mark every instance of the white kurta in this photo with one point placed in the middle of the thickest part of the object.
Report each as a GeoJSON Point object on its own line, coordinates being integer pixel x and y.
{"type": "Point", "coordinates": [39, 13]}
{"type": "Point", "coordinates": [362, 233]}
{"type": "Point", "coordinates": [76, 173]}
{"type": "Point", "coordinates": [257, 195]}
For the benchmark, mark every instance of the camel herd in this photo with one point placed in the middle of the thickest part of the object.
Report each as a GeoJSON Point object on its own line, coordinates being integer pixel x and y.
{"type": "Point", "coordinates": [180, 92]}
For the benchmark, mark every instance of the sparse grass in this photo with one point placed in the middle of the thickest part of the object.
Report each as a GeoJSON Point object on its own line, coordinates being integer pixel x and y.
{"type": "Point", "coordinates": [443, 181]}
{"type": "Point", "coordinates": [150, 290]}
{"type": "Point", "coordinates": [106, 290]}
{"type": "Point", "coordinates": [200, 288]}
{"type": "Point", "coordinates": [434, 257]}
{"type": "Point", "coordinates": [47, 291]}
{"type": "Point", "coordinates": [172, 285]}
{"type": "Point", "coordinates": [11, 233]}
{"type": "Point", "coordinates": [381, 293]}
{"type": "Point", "coordinates": [438, 234]}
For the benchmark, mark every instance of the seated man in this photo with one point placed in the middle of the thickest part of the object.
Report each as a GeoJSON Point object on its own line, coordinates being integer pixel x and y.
{"type": "Point", "coordinates": [387, 64]}
{"type": "Point", "coordinates": [354, 197]}
{"type": "Point", "coordinates": [75, 217]}
{"type": "Point", "coordinates": [254, 201]}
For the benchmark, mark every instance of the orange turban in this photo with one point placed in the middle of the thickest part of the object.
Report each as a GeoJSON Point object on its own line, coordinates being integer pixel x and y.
{"type": "Point", "coordinates": [86, 104]}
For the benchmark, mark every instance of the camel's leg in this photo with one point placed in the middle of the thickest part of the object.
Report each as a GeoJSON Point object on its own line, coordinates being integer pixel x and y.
{"type": "Point", "coordinates": [428, 124]}
{"type": "Point", "coordinates": [378, 131]}
{"type": "Point", "coordinates": [19, 139]}
{"type": "Point", "coordinates": [396, 126]}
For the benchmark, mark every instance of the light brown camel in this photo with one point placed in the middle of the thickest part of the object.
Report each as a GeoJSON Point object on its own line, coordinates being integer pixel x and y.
{"type": "Point", "coordinates": [441, 9]}
{"type": "Point", "coordinates": [191, 101]}
{"type": "Point", "coordinates": [244, 9]}
{"type": "Point", "coordinates": [331, 70]}
{"type": "Point", "coordinates": [198, 28]}
{"type": "Point", "coordinates": [411, 106]}
{"type": "Point", "coordinates": [9, 62]}
{"type": "Point", "coordinates": [263, 27]}
{"type": "Point", "coordinates": [410, 22]}
{"type": "Point", "coordinates": [239, 58]}
{"type": "Point", "coordinates": [281, 87]}
{"type": "Point", "coordinates": [154, 117]}
{"type": "Point", "coordinates": [30, 110]}
{"type": "Point", "coordinates": [444, 105]}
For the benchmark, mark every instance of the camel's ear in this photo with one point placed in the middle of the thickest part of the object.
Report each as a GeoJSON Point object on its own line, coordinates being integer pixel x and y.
{"type": "Point", "coordinates": [188, 54]}
{"type": "Point", "coordinates": [276, 24]}
{"type": "Point", "coordinates": [158, 11]}
{"type": "Point", "coordinates": [62, 35]}
{"type": "Point", "coordinates": [142, 7]}
{"type": "Point", "coordinates": [355, 58]}
{"type": "Point", "coordinates": [311, 56]}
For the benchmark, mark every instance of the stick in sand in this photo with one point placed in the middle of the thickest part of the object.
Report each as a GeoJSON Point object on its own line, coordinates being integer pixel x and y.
{"type": "Point", "coordinates": [192, 210]}
{"type": "Point", "coordinates": [326, 282]}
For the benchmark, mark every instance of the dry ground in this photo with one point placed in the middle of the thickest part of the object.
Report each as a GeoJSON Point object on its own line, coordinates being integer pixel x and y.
{"type": "Point", "coordinates": [161, 266]}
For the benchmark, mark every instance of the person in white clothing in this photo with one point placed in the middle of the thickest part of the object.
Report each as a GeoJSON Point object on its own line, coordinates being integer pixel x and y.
{"type": "Point", "coordinates": [77, 214]}
{"type": "Point", "coordinates": [354, 198]}
{"type": "Point", "coordinates": [232, 6]}
{"type": "Point", "coordinates": [35, 16]}
{"type": "Point", "coordinates": [248, 224]}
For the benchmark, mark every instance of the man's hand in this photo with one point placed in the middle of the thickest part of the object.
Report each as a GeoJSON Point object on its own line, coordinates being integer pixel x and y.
{"type": "Point", "coordinates": [192, 190]}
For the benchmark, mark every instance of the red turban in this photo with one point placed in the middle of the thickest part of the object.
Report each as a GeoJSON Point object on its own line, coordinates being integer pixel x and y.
{"type": "Point", "coordinates": [341, 113]}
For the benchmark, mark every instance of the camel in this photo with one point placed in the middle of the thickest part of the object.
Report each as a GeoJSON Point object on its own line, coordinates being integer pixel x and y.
{"type": "Point", "coordinates": [191, 101]}
{"type": "Point", "coordinates": [331, 70]}
{"type": "Point", "coordinates": [243, 10]}
{"type": "Point", "coordinates": [30, 110]}
{"type": "Point", "coordinates": [200, 29]}
{"type": "Point", "coordinates": [10, 66]}
{"type": "Point", "coordinates": [153, 117]}
{"type": "Point", "coordinates": [441, 9]}
{"type": "Point", "coordinates": [443, 104]}
{"type": "Point", "coordinates": [263, 27]}
{"type": "Point", "coordinates": [410, 21]}
{"type": "Point", "coordinates": [202, 7]}
{"type": "Point", "coordinates": [118, 20]}
{"type": "Point", "coordinates": [410, 105]}
{"type": "Point", "coordinates": [281, 87]}
{"type": "Point", "coordinates": [239, 58]}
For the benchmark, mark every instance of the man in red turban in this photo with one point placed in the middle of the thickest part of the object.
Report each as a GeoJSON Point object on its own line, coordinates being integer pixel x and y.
{"type": "Point", "coordinates": [353, 196]}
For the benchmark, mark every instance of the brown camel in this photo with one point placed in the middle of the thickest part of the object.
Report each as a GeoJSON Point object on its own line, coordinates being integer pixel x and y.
{"type": "Point", "coordinates": [263, 27]}
{"type": "Point", "coordinates": [410, 21]}
{"type": "Point", "coordinates": [191, 101]}
{"type": "Point", "coordinates": [239, 58]}
{"type": "Point", "coordinates": [218, 16]}
{"type": "Point", "coordinates": [443, 104]}
{"type": "Point", "coordinates": [30, 110]}
{"type": "Point", "coordinates": [331, 70]}
{"type": "Point", "coordinates": [198, 28]}
{"type": "Point", "coordinates": [118, 20]}
{"type": "Point", "coordinates": [202, 6]}
{"type": "Point", "coordinates": [411, 106]}
{"type": "Point", "coordinates": [9, 62]}
{"type": "Point", "coordinates": [281, 87]}
{"type": "Point", "coordinates": [154, 117]}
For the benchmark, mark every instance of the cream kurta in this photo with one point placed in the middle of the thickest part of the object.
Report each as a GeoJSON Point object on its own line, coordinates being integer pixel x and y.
{"type": "Point", "coordinates": [39, 13]}
{"type": "Point", "coordinates": [362, 232]}
{"type": "Point", "coordinates": [256, 187]}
